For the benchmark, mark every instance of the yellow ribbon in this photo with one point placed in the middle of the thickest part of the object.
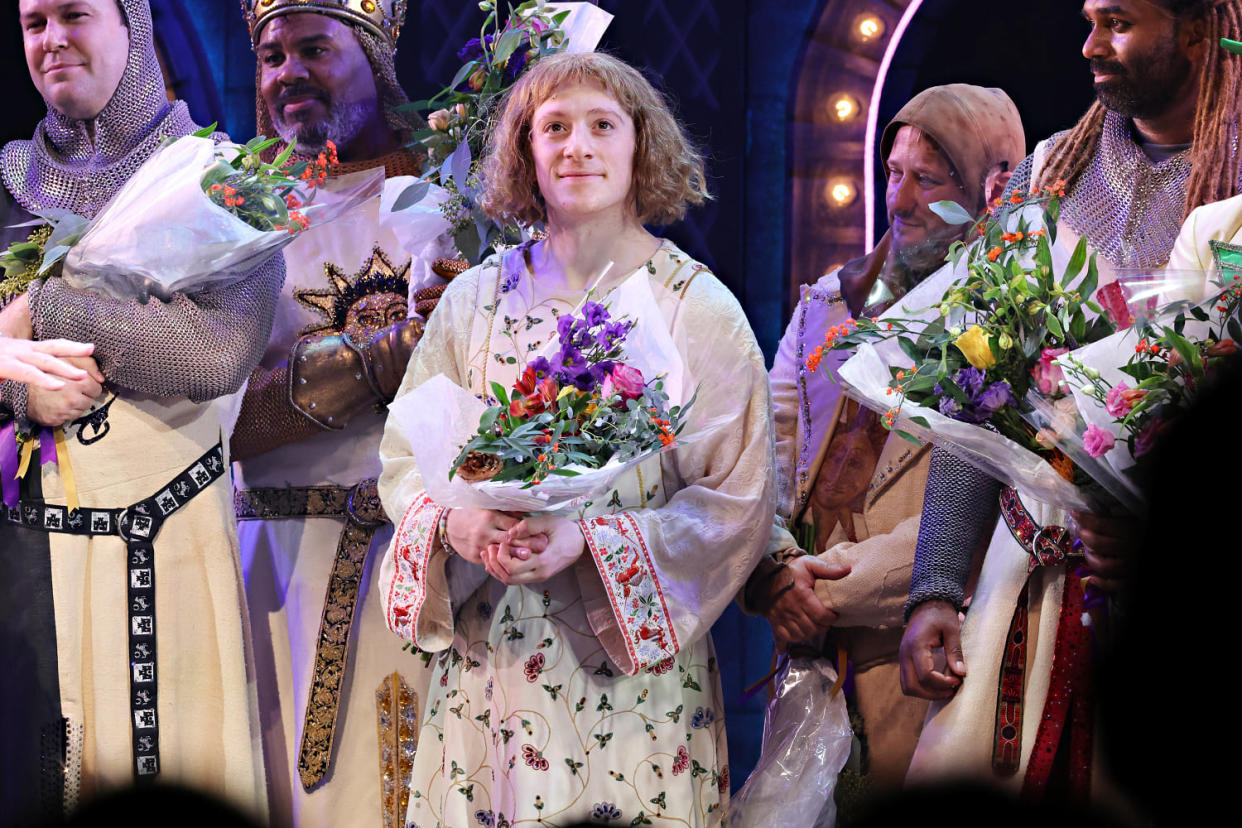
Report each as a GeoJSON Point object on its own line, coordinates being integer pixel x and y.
{"type": "Point", "coordinates": [24, 463]}
{"type": "Point", "coordinates": [841, 660]}
{"type": "Point", "coordinates": [66, 470]}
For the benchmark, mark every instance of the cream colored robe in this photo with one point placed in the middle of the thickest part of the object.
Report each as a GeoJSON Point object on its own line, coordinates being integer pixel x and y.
{"type": "Point", "coordinates": [207, 715]}
{"type": "Point", "coordinates": [594, 695]}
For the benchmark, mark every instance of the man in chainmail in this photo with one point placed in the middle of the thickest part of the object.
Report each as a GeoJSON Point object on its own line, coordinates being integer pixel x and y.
{"type": "Point", "coordinates": [338, 693]}
{"type": "Point", "coordinates": [1160, 140]}
{"type": "Point", "coordinates": [108, 683]}
{"type": "Point", "coordinates": [852, 491]}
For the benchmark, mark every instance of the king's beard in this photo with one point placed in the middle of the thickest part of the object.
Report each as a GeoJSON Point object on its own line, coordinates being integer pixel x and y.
{"type": "Point", "coordinates": [341, 126]}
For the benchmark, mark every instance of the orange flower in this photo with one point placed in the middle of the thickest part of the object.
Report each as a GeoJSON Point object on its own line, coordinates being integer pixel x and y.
{"type": "Point", "coordinates": [1016, 198]}
{"type": "Point", "coordinates": [994, 253]}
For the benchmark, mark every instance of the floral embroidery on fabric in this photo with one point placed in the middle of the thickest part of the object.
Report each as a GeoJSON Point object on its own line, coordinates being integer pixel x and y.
{"type": "Point", "coordinates": [682, 763]}
{"type": "Point", "coordinates": [411, 547]}
{"type": "Point", "coordinates": [534, 758]}
{"type": "Point", "coordinates": [629, 577]}
{"type": "Point", "coordinates": [534, 665]}
{"type": "Point", "coordinates": [605, 811]}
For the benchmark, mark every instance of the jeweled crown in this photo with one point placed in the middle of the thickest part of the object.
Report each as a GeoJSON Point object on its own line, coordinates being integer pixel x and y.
{"type": "Point", "coordinates": [382, 17]}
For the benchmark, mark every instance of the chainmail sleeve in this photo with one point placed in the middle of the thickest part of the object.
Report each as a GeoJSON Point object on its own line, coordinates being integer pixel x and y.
{"type": "Point", "coordinates": [959, 511]}
{"type": "Point", "coordinates": [12, 401]}
{"type": "Point", "coordinates": [201, 346]}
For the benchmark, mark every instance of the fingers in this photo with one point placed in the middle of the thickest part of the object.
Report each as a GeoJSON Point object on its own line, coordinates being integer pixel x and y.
{"type": "Point", "coordinates": [64, 348]}
{"type": "Point", "coordinates": [952, 637]}
{"type": "Point", "coordinates": [828, 571]}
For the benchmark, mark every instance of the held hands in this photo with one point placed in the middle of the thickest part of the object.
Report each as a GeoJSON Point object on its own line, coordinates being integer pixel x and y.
{"type": "Point", "coordinates": [42, 364]}
{"type": "Point", "coordinates": [71, 401]}
{"type": "Point", "coordinates": [537, 548]}
{"type": "Point", "coordinates": [933, 626]}
{"type": "Point", "coordinates": [512, 549]}
{"type": "Point", "coordinates": [796, 613]}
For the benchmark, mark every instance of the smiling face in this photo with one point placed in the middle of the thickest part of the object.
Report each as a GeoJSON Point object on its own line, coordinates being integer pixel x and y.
{"type": "Point", "coordinates": [919, 176]}
{"type": "Point", "coordinates": [1139, 57]}
{"type": "Point", "coordinates": [582, 143]}
{"type": "Point", "coordinates": [374, 312]}
{"type": "Point", "coordinates": [76, 51]}
{"type": "Point", "coordinates": [316, 80]}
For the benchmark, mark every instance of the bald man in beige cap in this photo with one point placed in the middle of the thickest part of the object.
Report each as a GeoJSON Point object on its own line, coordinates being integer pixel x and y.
{"type": "Point", "coordinates": [849, 491]}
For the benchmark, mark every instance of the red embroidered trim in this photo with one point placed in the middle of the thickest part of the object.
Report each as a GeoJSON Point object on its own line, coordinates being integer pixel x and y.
{"type": "Point", "coordinates": [1046, 546]}
{"type": "Point", "coordinates": [1069, 703]}
{"type": "Point", "coordinates": [411, 548]}
{"type": "Point", "coordinates": [629, 576]}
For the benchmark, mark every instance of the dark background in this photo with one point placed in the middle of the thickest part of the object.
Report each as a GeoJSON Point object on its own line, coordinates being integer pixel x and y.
{"type": "Point", "coordinates": [731, 69]}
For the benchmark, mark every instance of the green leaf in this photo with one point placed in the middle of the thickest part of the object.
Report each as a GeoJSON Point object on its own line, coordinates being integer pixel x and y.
{"type": "Point", "coordinates": [498, 391]}
{"type": "Point", "coordinates": [1077, 260]}
{"type": "Point", "coordinates": [507, 44]}
{"type": "Point", "coordinates": [464, 72]}
{"type": "Point", "coordinates": [1054, 326]}
{"type": "Point", "coordinates": [950, 212]}
{"type": "Point", "coordinates": [920, 421]}
{"type": "Point", "coordinates": [905, 435]}
{"type": "Point", "coordinates": [411, 195]}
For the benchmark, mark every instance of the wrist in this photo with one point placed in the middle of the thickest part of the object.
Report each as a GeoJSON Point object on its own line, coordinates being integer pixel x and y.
{"type": "Point", "coordinates": [442, 532]}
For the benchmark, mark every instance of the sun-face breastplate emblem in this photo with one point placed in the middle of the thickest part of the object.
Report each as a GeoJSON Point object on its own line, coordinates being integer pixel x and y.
{"type": "Point", "coordinates": [359, 304]}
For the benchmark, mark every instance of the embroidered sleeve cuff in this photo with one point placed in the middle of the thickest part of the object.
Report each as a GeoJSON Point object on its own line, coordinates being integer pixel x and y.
{"type": "Point", "coordinates": [643, 638]}
{"type": "Point", "coordinates": [417, 605]}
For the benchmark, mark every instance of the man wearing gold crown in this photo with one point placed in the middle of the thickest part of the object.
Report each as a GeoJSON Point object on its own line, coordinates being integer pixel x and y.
{"type": "Point", "coordinates": [338, 694]}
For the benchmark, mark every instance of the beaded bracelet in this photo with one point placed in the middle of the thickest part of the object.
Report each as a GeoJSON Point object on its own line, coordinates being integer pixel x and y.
{"type": "Point", "coordinates": [442, 530]}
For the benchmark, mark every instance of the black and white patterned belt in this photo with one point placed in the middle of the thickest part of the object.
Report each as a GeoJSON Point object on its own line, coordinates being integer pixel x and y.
{"type": "Point", "coordinates": [136, 525]}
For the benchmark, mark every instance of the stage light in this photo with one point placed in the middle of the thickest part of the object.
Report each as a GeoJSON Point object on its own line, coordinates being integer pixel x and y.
{"type": "Point", "coordinates": [841, 192]}
{"type": "Point", "coordinates": [869, 27]}
{"type": "Point", "coordinates": [845, 107]}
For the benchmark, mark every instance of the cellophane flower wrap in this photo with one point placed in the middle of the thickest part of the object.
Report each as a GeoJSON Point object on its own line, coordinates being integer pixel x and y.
{"type": "Point", "coordinates": [1129, 388]}
{"type": "Point", "coordinates": [458, 115]}
{"type": "Point", "coordinates": [609, 392]}
{"type": "Point", "coordinates": [196, 216]}
{"type": "Point", "coordinates": [954, 361]}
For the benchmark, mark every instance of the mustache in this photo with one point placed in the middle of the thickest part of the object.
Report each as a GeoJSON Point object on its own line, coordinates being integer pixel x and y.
{"type": "Point", "coordinates": [301, 90]}
{"type": "Point", "coordinates": [1107, 67]}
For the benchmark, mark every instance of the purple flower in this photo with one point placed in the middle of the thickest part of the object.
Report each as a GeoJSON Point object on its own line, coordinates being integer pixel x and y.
{"type": "Point", "coordinates": [594, 314]}
{"type": "Point", "coordinates": [995, 397]}
{"type": "Point", "coordinates": [971, 381]}
{"type": "Point", "coordinates": [540, 366]}
{"type": "Point", "coordinates": [949, 407]}
{"type": "Point", "coordinates": [473, 50]}
{"type": "Point", "coordinates": [605, 811]}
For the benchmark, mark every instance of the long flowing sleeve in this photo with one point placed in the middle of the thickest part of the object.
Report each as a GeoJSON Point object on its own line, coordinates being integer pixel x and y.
{"type": "Point", "coordinates": [200, 346]}
{"type": "Point", "coordinates": [416, 581]}
{"type": "Point", "coordinates": [662, 576]}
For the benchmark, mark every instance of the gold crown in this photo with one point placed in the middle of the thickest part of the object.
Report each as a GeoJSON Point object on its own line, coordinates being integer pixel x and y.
{"type": "Point", "coordinates": [381, 17]}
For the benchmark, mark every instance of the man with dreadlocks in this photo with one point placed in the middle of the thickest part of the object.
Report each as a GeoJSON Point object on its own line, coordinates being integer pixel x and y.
{"type": "Point", "coordinates": [107, 680]}
{"type": "Point", "coordinates": [1160, 141]}
{"type": "Point", "coordinates": [338, 693]}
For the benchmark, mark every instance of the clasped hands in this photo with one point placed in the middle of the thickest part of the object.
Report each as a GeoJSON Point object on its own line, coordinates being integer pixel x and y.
{"type": "Point", "coordinates": [62, 379]}
{"type": "Point", "coordinates": [790, 604]}
{"type": "Point", "coordinates": [515, 549]}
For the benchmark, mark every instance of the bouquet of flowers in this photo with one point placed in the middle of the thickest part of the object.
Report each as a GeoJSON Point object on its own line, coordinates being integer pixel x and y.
{"type": "Point", "coordinates": [195, 216]}
{"type": "Point", "coordinates": [1128, 388]}
{"type": "Point", "coordinates": [982, 338]}
{"type": "Point", "coordinates": [457, 116]}
{"type": "Point", "coordinates": [602, 397]}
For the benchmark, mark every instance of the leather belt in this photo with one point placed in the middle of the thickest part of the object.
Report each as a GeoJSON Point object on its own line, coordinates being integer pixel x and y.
{"type": "Point", "coordinates": [137, 526]}
{"type": "Point", "coordinates": [363, 514]}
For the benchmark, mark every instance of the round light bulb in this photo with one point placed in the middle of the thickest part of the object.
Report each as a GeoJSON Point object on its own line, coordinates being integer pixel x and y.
{"type": "Point", "coordinates": [844, 107]}
{"type": "Point", "coordinates": [869, 27]}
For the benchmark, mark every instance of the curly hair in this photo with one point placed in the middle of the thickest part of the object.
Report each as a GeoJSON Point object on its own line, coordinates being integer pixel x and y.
{"type": "Point", "coordinates": [668, 170]}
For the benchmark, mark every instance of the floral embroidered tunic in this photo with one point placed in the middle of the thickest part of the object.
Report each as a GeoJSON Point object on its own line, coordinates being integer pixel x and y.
{"type": "Point", "coordinates": [593, 695]}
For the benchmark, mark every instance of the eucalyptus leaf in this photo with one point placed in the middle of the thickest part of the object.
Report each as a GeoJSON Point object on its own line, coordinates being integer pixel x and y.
{"type": "Point", "coordinates": [411, 195]}
{"type": "Point", "coordinates": [950, 212]}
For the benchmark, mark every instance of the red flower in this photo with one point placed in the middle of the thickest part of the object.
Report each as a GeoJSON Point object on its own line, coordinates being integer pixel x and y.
{"type": "Point", "coordinates": [682, 763]}
{"type": "Point", "coordinates": [534, 758]}
{"type": "Point", "coordinates": [1223, 348]}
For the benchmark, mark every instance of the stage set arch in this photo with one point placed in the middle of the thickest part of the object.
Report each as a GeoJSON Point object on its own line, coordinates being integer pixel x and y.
{"type": "Point", "coordinates": [787, 98]}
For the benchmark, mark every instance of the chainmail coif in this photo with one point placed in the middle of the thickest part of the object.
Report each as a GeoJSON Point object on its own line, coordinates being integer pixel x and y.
{"type": "Point", "coordinates": [62, 168]}
{"type": "Point", "coordinates": [200, 347]}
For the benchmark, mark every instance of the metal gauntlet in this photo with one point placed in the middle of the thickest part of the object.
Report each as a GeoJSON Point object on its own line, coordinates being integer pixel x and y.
{"type": "Point", "coordinates": [332, 378]}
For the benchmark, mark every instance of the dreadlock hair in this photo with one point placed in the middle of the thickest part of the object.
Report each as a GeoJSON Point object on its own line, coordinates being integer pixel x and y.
{"type": "Point", "coordinates": [1214, 154]}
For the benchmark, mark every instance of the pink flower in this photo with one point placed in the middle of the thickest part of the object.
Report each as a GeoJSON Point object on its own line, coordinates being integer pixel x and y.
{"type": "Point", "coordinates": [1121, 399]}
{"type": "Point", "coordinates": [626, 381]}
{"type": "Point", "coordinates": [1097, 441]}
{"type": "Point", "coordinates": [1048, 375]}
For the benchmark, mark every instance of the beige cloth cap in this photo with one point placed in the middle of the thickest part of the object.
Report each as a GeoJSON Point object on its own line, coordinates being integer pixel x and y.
{"type": "Point", "coordinates": [975, 127]}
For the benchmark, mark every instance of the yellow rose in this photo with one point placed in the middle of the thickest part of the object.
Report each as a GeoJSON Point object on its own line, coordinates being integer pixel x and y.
{"type": "Point", "coordinates": [974, 344]}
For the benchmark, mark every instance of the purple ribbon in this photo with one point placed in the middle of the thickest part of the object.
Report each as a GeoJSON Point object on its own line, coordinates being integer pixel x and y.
{"type": "Point", "coordinates": [8, 465]}
{"type": "Point", "coordinates": [10, 460]}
